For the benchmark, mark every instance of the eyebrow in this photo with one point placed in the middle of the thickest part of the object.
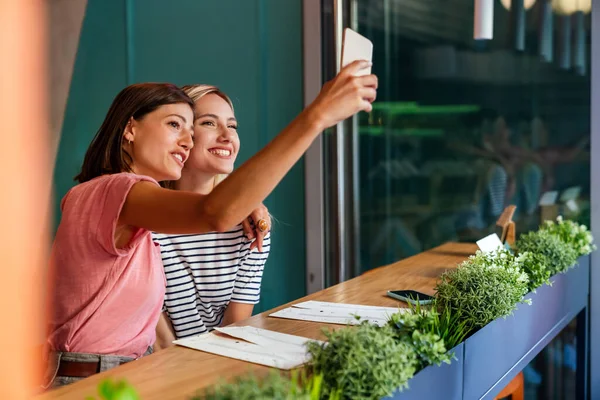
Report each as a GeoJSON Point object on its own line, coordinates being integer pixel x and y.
{"type": "Point", "coordinates": [177, 115]}
{"type": "Point", "coordinates": [215, 117]}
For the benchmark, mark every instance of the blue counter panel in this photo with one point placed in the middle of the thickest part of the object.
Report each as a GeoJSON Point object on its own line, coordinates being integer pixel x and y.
{"type": "Point", "coordinates": [499, 351]}
{"type": "Point", "coordinates": [433, 382]}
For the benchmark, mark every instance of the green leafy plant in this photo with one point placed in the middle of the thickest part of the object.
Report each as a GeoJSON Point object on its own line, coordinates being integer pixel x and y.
{"type": "Point", "coordinates": [363, 361]}
{"type": "Point", "coordinates": [109, 390]}
{"type": "Point", "coordinates": [534, 265]}
{"type": "Point", "coordinates": [450, 325]}
{"type": "Point", "coordinates": [573, 234]}
{"type": "Point", "coordinates": [552, 251]}
{"type": "Point", "coordinates": [435, 319]}
{"type": "Point", "coordinates": [429, 348]}
{"type": "Point", "coordinates": [419, 328]}
{"type": "Point", "coordinates": [273, 386]}
{"type": "Point", "coordinates": [484, 287]}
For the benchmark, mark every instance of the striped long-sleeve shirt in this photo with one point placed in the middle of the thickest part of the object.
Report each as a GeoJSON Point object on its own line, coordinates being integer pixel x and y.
{"type": "Point", "coordinates": [205, 273]}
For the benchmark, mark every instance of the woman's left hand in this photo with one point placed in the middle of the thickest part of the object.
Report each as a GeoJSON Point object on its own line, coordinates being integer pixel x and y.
{"type": "Point", "coordinates": [262, 225]}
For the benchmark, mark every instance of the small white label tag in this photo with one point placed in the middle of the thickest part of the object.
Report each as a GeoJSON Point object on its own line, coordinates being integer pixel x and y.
{"type": "Point", "coordinates": [490, 243]}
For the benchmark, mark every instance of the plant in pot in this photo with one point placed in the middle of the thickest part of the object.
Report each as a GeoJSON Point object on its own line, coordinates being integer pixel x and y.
{"type": "Point", "coordinates": [429, 331]}
{"type": "Point", "coordinates": [549, 249]}
{"type": "Point", "coordinates": [571, 233]}
{"type": "Point", "coordinates": [276, 386]}
{"type": "Point", "coordinates": [363, 362]}
{"type": "Point", "coordinates": [484, 287]}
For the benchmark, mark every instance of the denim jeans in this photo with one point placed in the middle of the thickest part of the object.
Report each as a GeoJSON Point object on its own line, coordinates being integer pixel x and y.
{"type": "Point", "coordinates": [53, 380]}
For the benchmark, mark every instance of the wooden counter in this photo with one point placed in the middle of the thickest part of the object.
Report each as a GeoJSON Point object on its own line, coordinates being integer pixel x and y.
{"type": "Point", "coordinates": [178, 373]}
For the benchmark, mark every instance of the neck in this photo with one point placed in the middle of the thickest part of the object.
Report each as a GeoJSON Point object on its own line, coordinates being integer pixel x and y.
{"type": "Point", "coordinates": [197, 182]}
{"type": "Point", "coordinates": [141, 171]}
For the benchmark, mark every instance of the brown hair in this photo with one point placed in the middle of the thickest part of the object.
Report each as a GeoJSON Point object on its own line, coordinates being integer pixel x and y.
{"type": "Point", "coordinates": [106, 154]}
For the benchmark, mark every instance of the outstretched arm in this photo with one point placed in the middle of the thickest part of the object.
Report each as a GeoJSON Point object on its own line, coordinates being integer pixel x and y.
{"type": "Point", "coordinates": [166, 211]}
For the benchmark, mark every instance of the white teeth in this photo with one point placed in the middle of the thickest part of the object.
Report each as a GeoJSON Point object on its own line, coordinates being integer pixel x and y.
{"type": "Point", "coordinates": [178, 156]}
{"type": "Point", "coordinates": [221, 152]}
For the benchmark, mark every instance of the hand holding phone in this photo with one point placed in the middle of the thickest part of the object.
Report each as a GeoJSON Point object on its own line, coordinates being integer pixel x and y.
{"type": "Point", "coordinates": [337, 100]}
{"type": "Point", "coordinates": [411, 296]}
{"type": "Point", "coordinates": [356, 47]}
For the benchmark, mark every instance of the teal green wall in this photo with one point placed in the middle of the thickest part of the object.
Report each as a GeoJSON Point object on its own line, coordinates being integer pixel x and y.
{"type": "Point", "coordinates": [252, 49]}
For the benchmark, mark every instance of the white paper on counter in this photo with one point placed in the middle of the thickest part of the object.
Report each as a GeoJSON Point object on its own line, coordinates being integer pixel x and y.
{"type": "Point", "coordinates": [273, 340]}
{"type": "Point", "coordinates": [337, 313]}
{"type": "Point", "coordinates": [277, 350]}
{"type": "Point", "coordinates": [343, 306]}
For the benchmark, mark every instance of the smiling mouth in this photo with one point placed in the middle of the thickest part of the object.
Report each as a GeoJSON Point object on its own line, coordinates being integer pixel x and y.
{"type": "Point", "coordinates": [178, 157]}
{"type": "Point", "coordinates": [220, 152]}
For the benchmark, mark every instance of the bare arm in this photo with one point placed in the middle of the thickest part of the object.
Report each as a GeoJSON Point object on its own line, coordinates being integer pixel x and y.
{"type": "Point", "coordinates": [162, 210]}
{"type": "Point", "coordinates": [236, 312]}
{"type": "Point", "coordinates": [164, 333]}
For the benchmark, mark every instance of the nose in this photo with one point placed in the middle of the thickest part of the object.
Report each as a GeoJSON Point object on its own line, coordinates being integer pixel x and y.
{"type": "Point", "coordinates": [225, 134]}
{"type": "Point", "coordinates": [186, 140]}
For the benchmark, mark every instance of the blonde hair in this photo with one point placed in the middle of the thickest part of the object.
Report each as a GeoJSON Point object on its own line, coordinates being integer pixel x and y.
{"type": "Point", "coordinates": [196, 92]}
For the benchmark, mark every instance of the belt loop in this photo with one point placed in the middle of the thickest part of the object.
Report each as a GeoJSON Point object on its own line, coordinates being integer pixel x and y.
{"type": "Point", "coordinates": [53, 363]}
{"type": "Point", "coordinates": [101, 363]}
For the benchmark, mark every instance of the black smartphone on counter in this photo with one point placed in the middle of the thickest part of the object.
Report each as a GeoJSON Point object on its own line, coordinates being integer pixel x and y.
{"type": "Point", "coordinates": [411, 296]}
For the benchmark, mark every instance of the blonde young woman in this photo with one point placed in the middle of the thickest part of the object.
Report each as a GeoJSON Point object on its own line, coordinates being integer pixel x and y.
{"type": "Point", "coordinates": [213, 278]}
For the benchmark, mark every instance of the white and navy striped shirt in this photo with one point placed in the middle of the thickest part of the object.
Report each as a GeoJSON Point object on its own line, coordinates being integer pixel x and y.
{"type": "Point", "coordinates": [205, 272]}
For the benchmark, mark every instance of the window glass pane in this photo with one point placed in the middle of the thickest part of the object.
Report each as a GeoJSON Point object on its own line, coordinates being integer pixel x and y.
{"type": "Point", "coordinates": [462, 128]}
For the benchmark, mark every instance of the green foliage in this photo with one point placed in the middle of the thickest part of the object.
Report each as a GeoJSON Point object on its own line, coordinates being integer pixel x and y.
{"type": "Point", "coordinates": [364, 361]}
{"type": "Point", "coordinates": [534, 265]}
{"type": "Point", "coordinates": [108, 390]}
{"type": "Point", "coordinates": [555, 254]}
{"type": "Point", "coordinates": [429, 348]}
{"type": "Point", "coordinates": [573, 234]}
{"type": "Point", "coordinates": [371, 362]}
{"type": "Point", "coordinates": [274, 386]}
{"type": "Point", "coordinates": [484, 287]}
{"type": "Point", "coordinates": [436, 319]}
{"type": "Point", "coordinates": [419, 327]}
{"type": "Point", "coordinates": [450, 325]}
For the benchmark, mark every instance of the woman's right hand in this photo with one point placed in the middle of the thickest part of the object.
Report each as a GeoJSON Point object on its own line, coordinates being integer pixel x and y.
{"type": "Point", "coordinates": [344, 96]}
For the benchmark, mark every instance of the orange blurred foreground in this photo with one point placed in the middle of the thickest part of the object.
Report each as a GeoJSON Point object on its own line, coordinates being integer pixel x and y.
{"type": "Point", "coordinates": [25, 174]}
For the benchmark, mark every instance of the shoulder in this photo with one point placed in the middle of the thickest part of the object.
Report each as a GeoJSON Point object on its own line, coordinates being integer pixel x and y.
{"type": "Point", "coordinates": [99, 187]}
{"type": "Point", "coordinates": [123, 177]}
{"type": "Point", "coordinates": [107, 180]}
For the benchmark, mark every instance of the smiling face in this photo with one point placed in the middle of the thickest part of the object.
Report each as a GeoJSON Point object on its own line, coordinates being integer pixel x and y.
{"type": "Point", "coordinates": [159, 143]}
{"type": "Point", "coordinates": [216, 142]}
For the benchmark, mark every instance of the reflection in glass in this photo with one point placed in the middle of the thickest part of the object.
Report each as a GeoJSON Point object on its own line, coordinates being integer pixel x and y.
{"type": "Point", "coordinates": [463, 128]}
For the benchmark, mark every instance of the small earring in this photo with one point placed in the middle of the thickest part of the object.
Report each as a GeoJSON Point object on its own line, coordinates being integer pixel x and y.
{"type": "Point", "coordinates": [129, 141]}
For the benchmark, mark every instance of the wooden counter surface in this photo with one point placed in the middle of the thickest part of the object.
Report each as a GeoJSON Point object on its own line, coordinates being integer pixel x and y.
{"type": "Point", "coordinates": [178, 373]}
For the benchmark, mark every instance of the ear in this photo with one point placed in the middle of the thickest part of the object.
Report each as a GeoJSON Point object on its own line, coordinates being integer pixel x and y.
{"type": "Point", "coordinates": [128, 132]}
